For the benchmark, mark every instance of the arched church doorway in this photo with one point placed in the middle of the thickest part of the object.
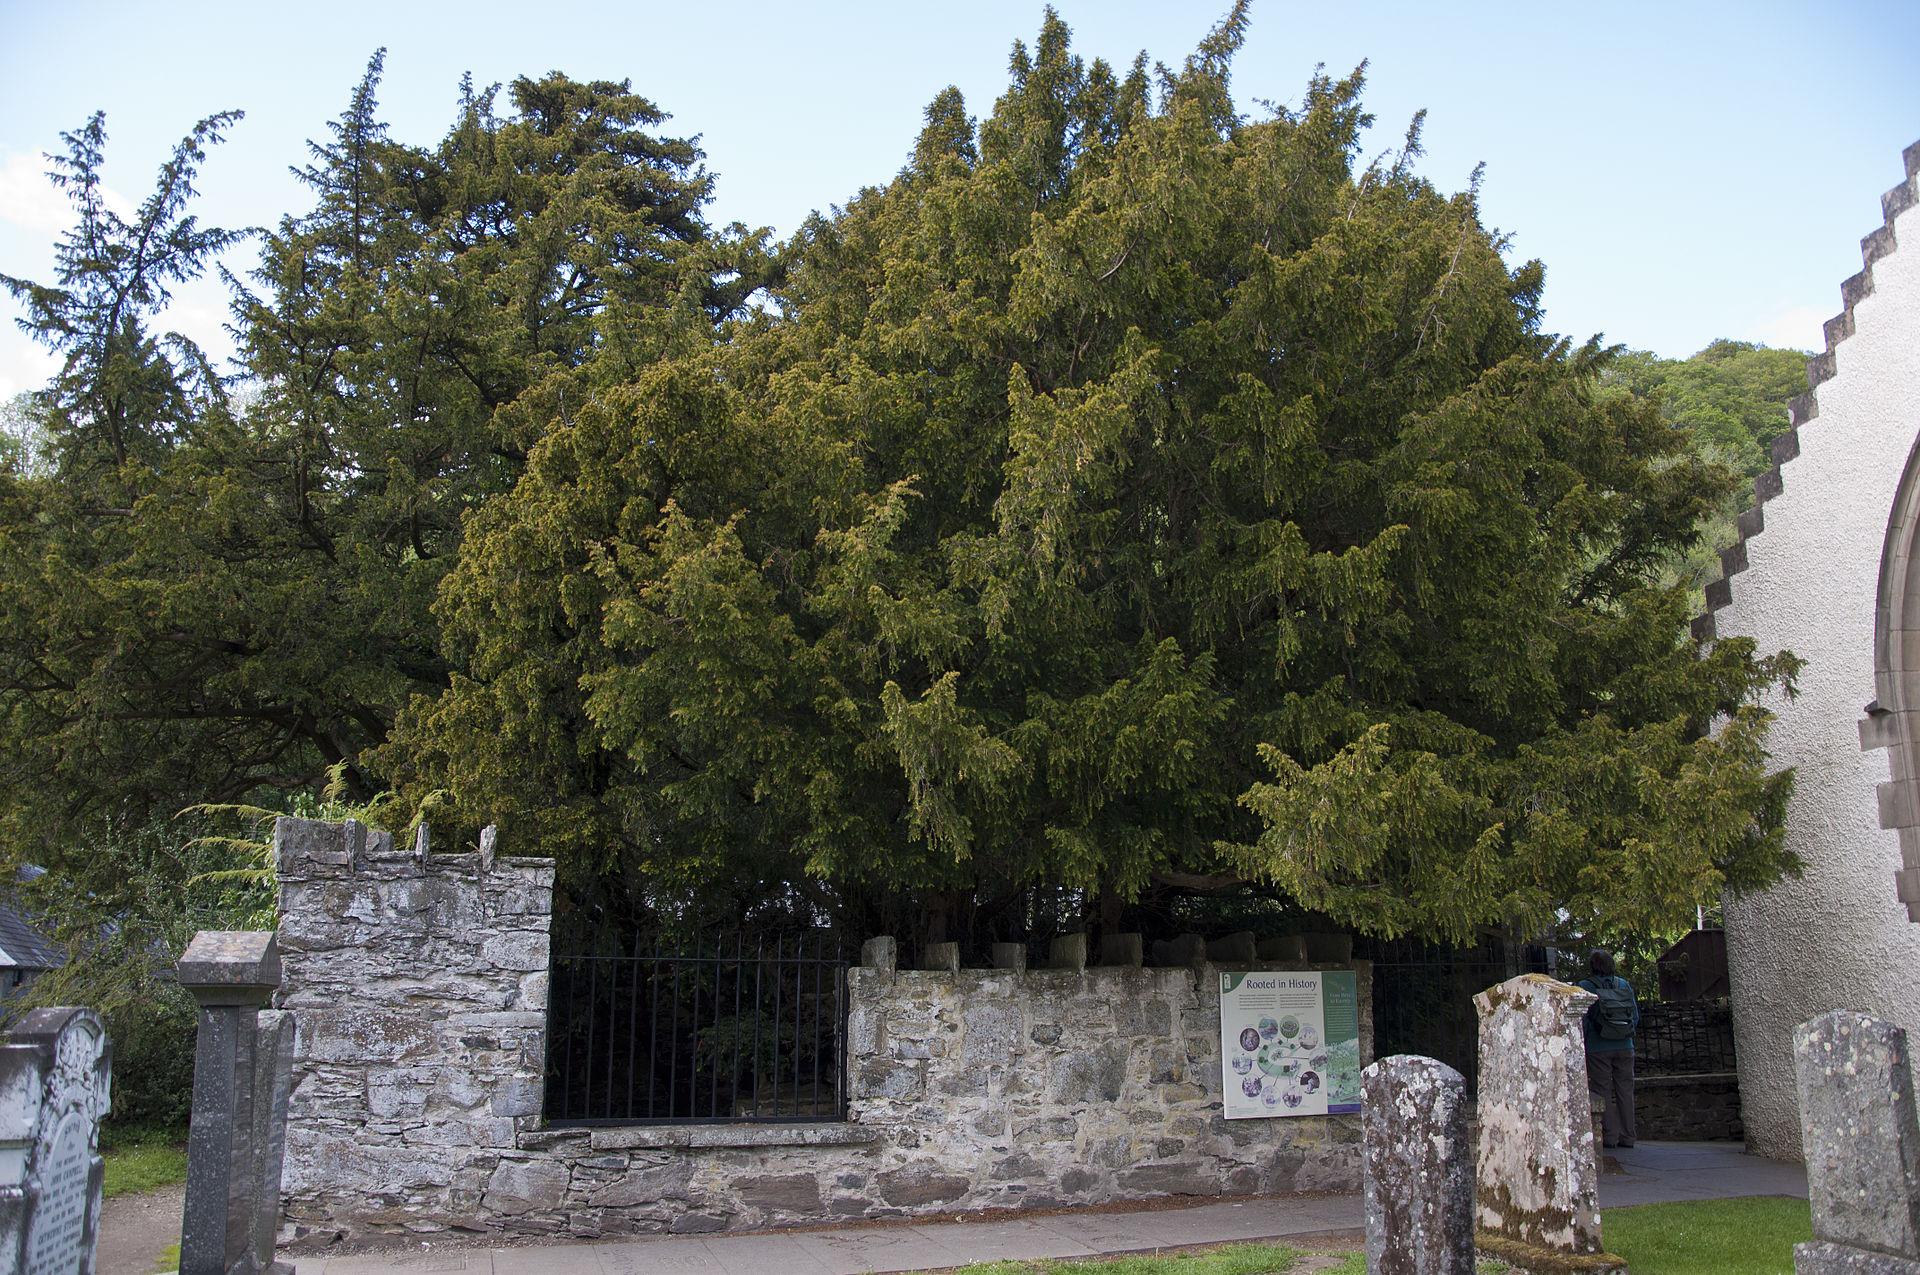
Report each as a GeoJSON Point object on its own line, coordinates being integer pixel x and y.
{"type": "Point", "coordinates": [1893, 718]}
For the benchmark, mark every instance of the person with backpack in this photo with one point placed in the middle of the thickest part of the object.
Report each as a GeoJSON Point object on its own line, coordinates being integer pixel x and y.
{"type": "Point", "coordinates": [1610, 1023]}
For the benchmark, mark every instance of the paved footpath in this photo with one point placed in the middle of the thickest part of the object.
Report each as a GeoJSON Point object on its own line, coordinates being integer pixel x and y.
{"type": "Point", "coordinates": [1652, 1172]}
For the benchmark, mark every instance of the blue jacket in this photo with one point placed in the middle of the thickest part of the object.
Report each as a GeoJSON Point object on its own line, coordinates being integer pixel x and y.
{"type": "Point", "coordinates": [1596, 1043]}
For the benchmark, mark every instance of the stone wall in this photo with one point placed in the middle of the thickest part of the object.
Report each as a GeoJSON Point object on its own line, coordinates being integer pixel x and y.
{"type": "Point", "coordinates": [1701, 1108]}
{"type": "Point", "coordinates": [421, 988]}
{"type": "Point", "coordinates": [418, 983]}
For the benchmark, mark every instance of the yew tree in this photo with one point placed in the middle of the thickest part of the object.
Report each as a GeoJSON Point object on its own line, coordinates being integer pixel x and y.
{"type": "Point", "coordinates": [217, 588]}
{"type": "Point", "coordinates": [1131, 491]}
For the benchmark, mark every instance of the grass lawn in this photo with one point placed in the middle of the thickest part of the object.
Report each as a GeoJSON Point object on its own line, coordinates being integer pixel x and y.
{"type": "Point", "coordinates": [142, 1166]}
{"type": "Point", "coordinates": [1709, 1237]}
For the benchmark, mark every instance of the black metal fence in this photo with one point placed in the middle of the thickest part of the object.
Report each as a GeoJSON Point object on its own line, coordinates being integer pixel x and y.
{"type": "Point", "coordinates": [1423, 996]}
{"type": "Point", "coordinates": [1683, 1038]}
{"type": "Point", "coordinates": [739, 1029]}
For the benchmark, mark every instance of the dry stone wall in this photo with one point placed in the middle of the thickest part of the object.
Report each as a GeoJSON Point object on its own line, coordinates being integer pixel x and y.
{"type": "Point", "coordinates": [420, 986]}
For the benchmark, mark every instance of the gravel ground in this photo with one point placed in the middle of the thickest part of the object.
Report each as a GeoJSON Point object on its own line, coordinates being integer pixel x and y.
{"type": "Point", "coordinates": [135, 1228]}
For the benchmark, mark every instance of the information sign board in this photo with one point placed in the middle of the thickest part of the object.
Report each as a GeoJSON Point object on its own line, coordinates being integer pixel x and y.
{"type": "Point", "coordinates": [1289, 1043]}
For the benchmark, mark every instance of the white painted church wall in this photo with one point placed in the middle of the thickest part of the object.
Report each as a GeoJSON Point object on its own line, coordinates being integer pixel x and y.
{"type": "Point", "coordinates": [1838, 937]}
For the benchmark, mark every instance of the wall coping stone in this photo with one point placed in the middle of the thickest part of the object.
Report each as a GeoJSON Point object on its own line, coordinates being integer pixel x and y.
{"type": "Point", "coordinates": [695, 1136]}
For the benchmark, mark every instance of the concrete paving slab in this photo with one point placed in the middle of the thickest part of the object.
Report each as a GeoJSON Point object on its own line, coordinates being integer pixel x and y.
{"type": "Point", "coordinates": [457, 1261]}
{"type": "Point", "coordinates": [1003, 1241]}
{"type": "Point", "coordinates": [1100, 1232]}
{"type": "Point", "coordinates": [678, 1256]}
{"type": "Point", "coordinates": [768, 1254]}
{"type": "Point", "coordinates": [1653, 1172]}
{"type": "Point", "coordinates": [859, 1252]}
{"type": "Point", "coordinates": [547, 1259]}
{"type": "Point", "coordinates": [1218, 1223]}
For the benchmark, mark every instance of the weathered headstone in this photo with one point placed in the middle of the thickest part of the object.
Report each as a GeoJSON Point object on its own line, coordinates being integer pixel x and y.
{"type": "Point", "coordinates": [242, 1070]}
{"type": "Point", "coordinates": [1537, 1197]}
{"type": "Point", "coordinates": [1858, 1130]}
{"type": "Point", "coordinates": [942, 957]}
{"type": "Point", "coordinates": [1418, 1169]}
{"type": "Point", "coordinates": [1122, 949]}
{"type": "Point", "coordinates": [55, 1082]}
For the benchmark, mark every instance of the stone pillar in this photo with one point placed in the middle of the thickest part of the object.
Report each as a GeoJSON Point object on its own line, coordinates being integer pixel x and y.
{"type": "Point", "coordinates": [55, 1081]}
{"type": "Point", "coordinates": [1538, 1174]}
{"type": "Point", "coordinates": [1858, 1131]}
{"type": "Point", "coordinates": [1418, 1169]}
{"type": "Point", "coordinates": [242, 1073]}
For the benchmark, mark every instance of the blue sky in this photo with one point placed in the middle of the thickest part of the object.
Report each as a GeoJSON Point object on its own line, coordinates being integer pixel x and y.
{"type": "Point", "coordinates": [1685, 170]}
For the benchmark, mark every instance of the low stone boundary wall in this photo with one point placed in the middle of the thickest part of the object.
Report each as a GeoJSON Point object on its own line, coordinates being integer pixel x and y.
{"type": "Point", "coordinates": [420, 982]}
{"type": "Point", "coordinates": [1700, 1108]}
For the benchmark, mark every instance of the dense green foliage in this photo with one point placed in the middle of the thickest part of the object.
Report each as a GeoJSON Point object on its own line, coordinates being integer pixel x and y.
{"type": "Point", "coordinates": [1127, 491]}
{"type": "Point", "coordinates": [1732, 397]}
{"type": "Point", "coordinates": [1130, 497]}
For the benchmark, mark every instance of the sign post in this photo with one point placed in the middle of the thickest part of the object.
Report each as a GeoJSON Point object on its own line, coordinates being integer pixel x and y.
{"type": "Point", "coordinates": [1289, 1043]}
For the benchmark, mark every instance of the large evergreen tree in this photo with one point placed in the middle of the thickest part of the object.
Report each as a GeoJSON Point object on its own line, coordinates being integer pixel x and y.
{"type": "Point", "coordinates": [205, 598]}
{"type": "Point", "coordinates": [1129, 494]}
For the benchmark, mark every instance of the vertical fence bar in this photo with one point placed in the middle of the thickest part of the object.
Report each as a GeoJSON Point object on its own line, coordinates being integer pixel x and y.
{"type": "Point", "coordinates": [613, 1004]}
{"type": "Point", "coordinates": [818, 962]}
{"type": "Point", "coordinates": [799, 969]}
{"type": "Point", "coordinates": [759, 1003]}
{"type": "Point", "coordinates": [633, 1021]}
{"type": "Point", "coordinates": [593, 1013]}
{"type": "Point", "coordinates": [653, 1040]}
{"type": "Point", "coordinates": [673, 1044]}
{"type": "Point", "coordinates": [719, 977]}
{"type": "Point", "coordinates": [739, 951]}
{"type": "Point", "coordinates": [693, 1022]}
{"type": "Point", "coordinates": [573, 1026]}
{"type": "Point", "coordinates": [779, 943]}
{"type": "Point", "coordinates": [840, 1007]}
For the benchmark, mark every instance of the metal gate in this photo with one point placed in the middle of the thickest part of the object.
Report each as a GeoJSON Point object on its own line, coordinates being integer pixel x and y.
{"type": "Point", "coordinates": [1423, 996]}
{"type": "Point", "coordinates": [730, 1031]}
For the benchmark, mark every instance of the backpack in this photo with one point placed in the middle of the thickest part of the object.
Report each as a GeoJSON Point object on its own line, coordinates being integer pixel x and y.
{"type": "Point", "coordinates": [1613, 1017]}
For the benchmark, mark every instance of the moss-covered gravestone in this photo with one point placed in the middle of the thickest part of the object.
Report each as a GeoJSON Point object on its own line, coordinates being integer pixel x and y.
{"type": "Point", "coordinates": [1862, 1145]}
{"type": "Point", "coordinates": [1538, 1177]}
{"type": "Point", "coordinates": [1418, 1168]}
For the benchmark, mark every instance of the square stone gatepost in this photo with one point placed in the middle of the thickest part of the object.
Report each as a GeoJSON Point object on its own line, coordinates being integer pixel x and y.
{"type": "Point", "coordinates": [1538, 1171]}
{"type": "Point", "coordinates": [56, 1074]}
{"type": "Point", "coordinates": [1862, 1146]}
{"type": "Point", "coordinates": [242, 1071]}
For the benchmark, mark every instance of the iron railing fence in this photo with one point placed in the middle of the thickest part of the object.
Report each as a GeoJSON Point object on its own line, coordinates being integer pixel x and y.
{"type": "Point", "coordinates": [1423, 995]}
{"type": "Point", "coordinates": [736, 1029]}
{"type": "Point", "coordinates": [1683, 1038]}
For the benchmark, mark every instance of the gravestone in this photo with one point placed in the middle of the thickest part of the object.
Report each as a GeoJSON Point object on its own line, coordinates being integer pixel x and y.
{"type": "Point", "coordinates": [1418, 1168]}
{"type": "Point", "coordinates": [1862, 1146]}
{"type": "Point", "coordinates": [242, 1076]}
{"type": "Point", "coordinates": [1537, 1196]}
{"type": "Point", "coordinates": [55, 1083]}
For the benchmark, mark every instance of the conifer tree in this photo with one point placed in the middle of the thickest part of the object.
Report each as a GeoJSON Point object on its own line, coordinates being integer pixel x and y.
{"type": "Point", "coordinates": [205, 598]}
{"type": "Point", "coordinates": [1129, 494]}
